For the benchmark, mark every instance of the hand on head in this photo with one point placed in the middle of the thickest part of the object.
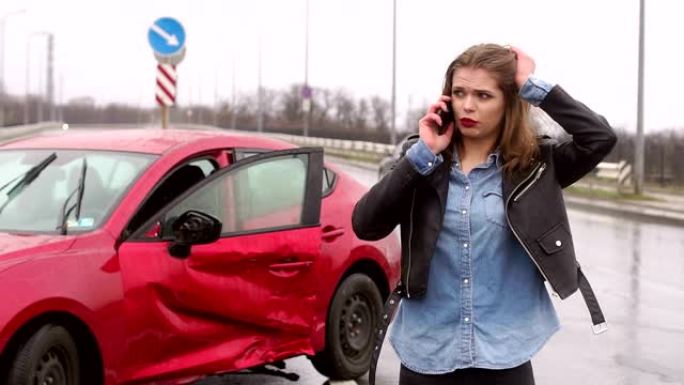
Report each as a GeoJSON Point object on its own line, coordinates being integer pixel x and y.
{"type": "Point", "coordinates": [428, 126]}
{"type": "Point", "coordinates": [525, 66]}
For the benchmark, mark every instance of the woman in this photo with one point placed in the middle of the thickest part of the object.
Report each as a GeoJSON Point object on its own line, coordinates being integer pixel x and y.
{"type": "Point", "coordinates": [483, 223]}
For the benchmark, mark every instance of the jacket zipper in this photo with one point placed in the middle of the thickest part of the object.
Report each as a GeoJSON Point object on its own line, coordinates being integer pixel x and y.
{"type": "Point", "coordinates": [408, 271]}
{"type": "Point", "coordinates": [540, 170]}
{"type": "Point", "coordinates": [510, 225]}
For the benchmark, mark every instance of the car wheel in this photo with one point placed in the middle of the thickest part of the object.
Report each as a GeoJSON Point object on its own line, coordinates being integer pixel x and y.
{"type": "Point", "coordinates": [48, 357]}
{"type": "Point", "coordinates": [353, 317]}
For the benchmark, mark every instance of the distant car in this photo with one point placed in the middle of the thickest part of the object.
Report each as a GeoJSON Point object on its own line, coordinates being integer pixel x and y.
{"type": "Point", "coordinates": [160, 256]}
{"type": "Point", "coordinates": [388, 162]}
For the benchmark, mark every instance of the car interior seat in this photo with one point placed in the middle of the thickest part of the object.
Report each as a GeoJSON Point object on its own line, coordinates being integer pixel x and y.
{"type": "Point", "coordinates": [178, 182]}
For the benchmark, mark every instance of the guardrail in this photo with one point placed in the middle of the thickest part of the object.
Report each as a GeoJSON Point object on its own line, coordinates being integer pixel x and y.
{"type": "Point", "coordinates": [369, 151]}
{"type": "Point", "coordinates": [17, 131]}
{"type": "Point", "coordinates": [620, 172]}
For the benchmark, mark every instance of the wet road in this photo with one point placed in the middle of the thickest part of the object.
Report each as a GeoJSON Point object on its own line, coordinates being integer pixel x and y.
{"type": "Point", "coordinates": [637, 272]}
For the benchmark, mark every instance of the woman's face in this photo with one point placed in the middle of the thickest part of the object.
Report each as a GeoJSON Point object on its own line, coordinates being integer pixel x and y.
{"type": "Point", "coordinates": [478, 103]}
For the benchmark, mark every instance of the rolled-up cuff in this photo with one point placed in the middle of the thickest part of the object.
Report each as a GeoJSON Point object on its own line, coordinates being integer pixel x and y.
{"type": "Point", "coordinates": [422, 159]}
{"type": "Point", "coordinates": [534, 90]}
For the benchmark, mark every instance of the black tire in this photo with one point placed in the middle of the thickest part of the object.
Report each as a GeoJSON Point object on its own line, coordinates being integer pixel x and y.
{"type": "Point", "coordinates": [47, 357]}
{"type": "Point", "coordinates": [350, 329]}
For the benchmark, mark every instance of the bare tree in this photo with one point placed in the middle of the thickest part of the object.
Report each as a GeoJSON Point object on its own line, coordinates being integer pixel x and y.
{"type": "Point", "coordinates": [322, 105]}
{"type": "Point", "coordinates": [291, 104]}
{"type": "Point", "coordinates": [344, 109]}
{"type": "Point", "coordinates": [380, 114]}
{"type": "Point", "coordinates": [361, 116]}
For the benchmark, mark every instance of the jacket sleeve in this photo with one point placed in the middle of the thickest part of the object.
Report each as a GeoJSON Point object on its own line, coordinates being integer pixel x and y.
{"type": "Point", "coordinates": [380, 210]}
{"type": "Point", "coordinates": [592, 137]}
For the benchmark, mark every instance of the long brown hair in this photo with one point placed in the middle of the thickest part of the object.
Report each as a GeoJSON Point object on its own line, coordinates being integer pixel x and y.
{"type": "Point", "coordinates": [517, 141]}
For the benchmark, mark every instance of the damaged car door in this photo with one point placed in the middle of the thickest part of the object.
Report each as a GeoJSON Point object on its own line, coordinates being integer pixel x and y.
{"type": "Point", "coordinates": [228, 281]}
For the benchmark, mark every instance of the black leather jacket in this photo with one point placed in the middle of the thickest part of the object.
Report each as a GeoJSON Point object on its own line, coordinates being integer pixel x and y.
{"type": "Point", "coordinates": [534, 204]}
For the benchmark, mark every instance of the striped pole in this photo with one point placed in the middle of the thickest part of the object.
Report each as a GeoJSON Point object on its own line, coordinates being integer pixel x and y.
{"type": "Point", "coordinates": [166, 90]}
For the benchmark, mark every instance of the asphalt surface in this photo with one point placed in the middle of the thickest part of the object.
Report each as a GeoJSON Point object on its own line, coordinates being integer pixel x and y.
{"type": "Point", "coordinates": [637, 271]}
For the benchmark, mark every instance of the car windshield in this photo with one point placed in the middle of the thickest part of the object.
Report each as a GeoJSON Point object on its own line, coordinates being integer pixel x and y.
{"type": "Point", "coordinates": [37, 187]}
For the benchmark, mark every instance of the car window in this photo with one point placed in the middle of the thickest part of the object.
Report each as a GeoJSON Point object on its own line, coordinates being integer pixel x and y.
{"type": "Point", "coordinates": [208, 166]}
{"type": "Point", "coordinates": [172, 185]}
{"type": "Point", "coordinates": [242, 154]}
{"type": "Point", "coordinates": [264, 195]}
{"type": "Point", "coordinates": [329, 176]}
{"type": "Point", "coordinates": [39, 205]}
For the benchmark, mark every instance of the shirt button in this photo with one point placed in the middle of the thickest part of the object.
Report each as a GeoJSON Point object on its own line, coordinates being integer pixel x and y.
{"type": "Point", "coordinates": [467, 187]}
{"type": "Point", "coordinates": [465, 281]}
{"type": "Point", "coordinates": [429, 164]}
{"type": "Point", "coordinates": [465, 245]}
{"type": "Point", "coordinates": [464, 212]}
{"type": "Point", "coordinates": [558, 243]}
{"type": "Point", "coordinates": [466, 319]}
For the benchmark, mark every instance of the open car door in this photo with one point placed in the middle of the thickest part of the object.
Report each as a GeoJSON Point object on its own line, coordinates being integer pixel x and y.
{"type": "Point", "coordinates": [228, 281]}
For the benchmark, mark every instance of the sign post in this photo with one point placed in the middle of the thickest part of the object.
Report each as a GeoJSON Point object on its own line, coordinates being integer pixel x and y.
{"type": "Point", "coordinates": [167, 39]}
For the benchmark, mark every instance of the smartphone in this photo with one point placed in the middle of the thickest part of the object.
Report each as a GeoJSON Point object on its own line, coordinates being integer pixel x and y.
{"type": "Point", "coordinates": [447, 117]}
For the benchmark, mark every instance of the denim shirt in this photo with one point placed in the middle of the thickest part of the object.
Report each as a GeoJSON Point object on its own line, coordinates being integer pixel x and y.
{"type": "Point", "coordinates": [486, 305]}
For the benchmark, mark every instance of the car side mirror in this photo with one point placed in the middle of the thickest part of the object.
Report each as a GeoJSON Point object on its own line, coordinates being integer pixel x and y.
{"type": "Point", "coordinates": [193, 228]}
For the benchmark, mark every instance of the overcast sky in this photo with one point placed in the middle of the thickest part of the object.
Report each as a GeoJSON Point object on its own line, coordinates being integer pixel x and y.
{"type": "Point", "coordinates": [590, 47]}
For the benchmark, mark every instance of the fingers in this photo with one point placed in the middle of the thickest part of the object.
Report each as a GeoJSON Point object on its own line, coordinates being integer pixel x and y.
{"type": "Point", "coordinates": [450, 130]}
{"type": "Point", "coordinates": [440, 104]}
{"type": "Point", "coordinates": [525, 66]}
{"type": "Point", "coordinates": [431, 117]}
{"type": "Point", "coordinates": [520, 55]}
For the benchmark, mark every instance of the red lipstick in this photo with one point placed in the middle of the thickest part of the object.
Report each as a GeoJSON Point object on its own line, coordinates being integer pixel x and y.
{"type": "Point", "coordinates": [468, 123]}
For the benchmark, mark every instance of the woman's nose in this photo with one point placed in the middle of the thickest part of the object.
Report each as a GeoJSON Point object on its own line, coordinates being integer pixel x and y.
{"type": "Point", "coordinates": [468, 104]}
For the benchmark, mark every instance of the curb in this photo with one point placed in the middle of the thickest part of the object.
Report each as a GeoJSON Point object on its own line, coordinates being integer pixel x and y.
{"type": "Point", "coordinates": [624, 210]}
{"type": "Point", "coordinates": [640, 213]}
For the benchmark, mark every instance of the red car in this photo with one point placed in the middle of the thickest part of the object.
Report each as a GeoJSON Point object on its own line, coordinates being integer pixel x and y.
{"type": "Point", "coordinates": [139, 256]}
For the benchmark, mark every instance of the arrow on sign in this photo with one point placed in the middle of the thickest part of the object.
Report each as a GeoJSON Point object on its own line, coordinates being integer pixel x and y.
{"type": "Point", "coordinates": [171, 40]}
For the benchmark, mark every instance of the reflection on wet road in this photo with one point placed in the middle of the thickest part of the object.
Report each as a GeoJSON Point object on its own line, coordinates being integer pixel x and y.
{"type": "Point", "coordinates": [637, 272]}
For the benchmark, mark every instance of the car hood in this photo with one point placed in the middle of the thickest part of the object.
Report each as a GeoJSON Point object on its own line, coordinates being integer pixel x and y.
{"type": "Point", "coordinates": [18, 248]}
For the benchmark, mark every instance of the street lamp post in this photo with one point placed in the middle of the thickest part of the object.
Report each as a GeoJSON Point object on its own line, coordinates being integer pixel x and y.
{"type": "Point", "coordinates": [393, 130]}
{"type": "Point", "coordinates": [306, 91]}
{"type": "Point", "coordinates": [260, 95]}
{"type": "Point", "coordinates": [50, 91]}
{"type": "Point", "coordinates": [3, 21]}
{"type": "Point", "coordinates": [639, 142]}
{"type": "Point", "coordinates": [233, 98]}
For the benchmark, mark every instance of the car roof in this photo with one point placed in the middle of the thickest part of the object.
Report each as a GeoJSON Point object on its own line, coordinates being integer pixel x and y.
{"type": "Point", "coordinates": [149, 141]}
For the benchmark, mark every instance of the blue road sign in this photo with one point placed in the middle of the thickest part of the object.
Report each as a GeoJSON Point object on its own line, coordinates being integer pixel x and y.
{"type": "Point", "coordinates": [166, 36]}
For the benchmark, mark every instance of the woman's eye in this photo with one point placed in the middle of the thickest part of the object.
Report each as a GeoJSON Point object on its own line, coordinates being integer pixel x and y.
{"type": "Point", "coordinates": [483, 95]}
{"type": "Point", "coordinates": [458, 93]}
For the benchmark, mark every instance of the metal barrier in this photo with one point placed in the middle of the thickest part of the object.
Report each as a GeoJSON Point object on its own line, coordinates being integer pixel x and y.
{"type": "Point", "coordinates": [620, 172]}
{"type": "Point", "coordinates": [339, 144]}
{"type": "Point", "coordinates": [17, 131]}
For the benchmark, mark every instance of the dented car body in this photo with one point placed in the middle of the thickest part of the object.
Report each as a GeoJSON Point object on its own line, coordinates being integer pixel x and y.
{"type": "Point", "coordinates": [160, 256]}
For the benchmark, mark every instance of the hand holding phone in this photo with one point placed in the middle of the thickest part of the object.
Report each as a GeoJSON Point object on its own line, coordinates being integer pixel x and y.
{"type": "Point", "coordinates": [435, 135]}
{"type": "Point", "coordinates": [447, 117]}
